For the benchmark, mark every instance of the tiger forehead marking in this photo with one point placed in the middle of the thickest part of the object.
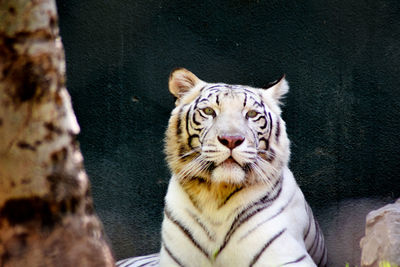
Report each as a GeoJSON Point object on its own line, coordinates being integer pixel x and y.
{"type": "Point", "coordinates": [229, 97]}
{"type": "Point", "coordinates": [231, 104]}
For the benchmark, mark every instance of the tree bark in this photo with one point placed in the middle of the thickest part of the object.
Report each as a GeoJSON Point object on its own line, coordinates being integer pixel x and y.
{"type": "Point", "coordinates": [46, 210]}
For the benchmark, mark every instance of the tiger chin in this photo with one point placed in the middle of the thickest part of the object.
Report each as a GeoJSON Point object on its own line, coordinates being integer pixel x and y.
{"type": "Point", "coordinates": [232, 200]}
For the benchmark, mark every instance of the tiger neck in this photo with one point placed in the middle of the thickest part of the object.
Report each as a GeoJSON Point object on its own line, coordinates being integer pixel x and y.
{"type": "Point", "coordinates": [203, 193]}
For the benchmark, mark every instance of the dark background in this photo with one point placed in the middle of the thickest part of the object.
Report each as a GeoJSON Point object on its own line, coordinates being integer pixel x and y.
{"type": "Point", "coordinates": [341, 58]}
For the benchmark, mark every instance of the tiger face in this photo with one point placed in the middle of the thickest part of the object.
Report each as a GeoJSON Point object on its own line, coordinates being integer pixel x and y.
{"type": "Point", "coordinates": [225, 134]}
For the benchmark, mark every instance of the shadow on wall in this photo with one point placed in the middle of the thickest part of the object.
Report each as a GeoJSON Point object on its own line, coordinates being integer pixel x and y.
{"type": "Point", "coordinates": [341, 59]}
{"type": "Point", "coordinates": [343, 224]}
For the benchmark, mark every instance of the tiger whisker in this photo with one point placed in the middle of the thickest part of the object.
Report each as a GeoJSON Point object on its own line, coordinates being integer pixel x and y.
{"type": "Point", "coordinates": [208, 152]}
{"type": "Point", "coordinates": [199, 168]}
{"type": "Point", "coordinates": [189, 153]}
{"type": "Point", "coordinates": [189, 167]}
{"type": "Point", "coordinates": [248, 152]}
{"type": "Point", "coordinates": [262, 151]}
{"type": "Point", "coordinates": [261, 173]}
{"type": "Point", "coordinates": [195, 167]}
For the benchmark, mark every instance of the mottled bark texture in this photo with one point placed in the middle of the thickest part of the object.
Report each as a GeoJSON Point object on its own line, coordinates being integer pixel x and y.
{"type": "Point", "coordinates": [46, 210]}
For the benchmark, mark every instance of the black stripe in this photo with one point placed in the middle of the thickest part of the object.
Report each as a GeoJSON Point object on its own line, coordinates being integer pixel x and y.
{"type": "Point", "coordinates": [245, 100]}
{"type": "Point", "coordinates": [197, 101]}
{"type": "Point", "coordinates": [194, 119]}
{"type": "Point", "coordinates": [308, 229]}
{"type": "Point", "coordinates": [309, 221]}
{"type": "Point", "coordinates": [172, 255]}
{"type": "Point", "coordinates": [139, 259]}
{"type": "Point", "coordinates": [245, 215]}
{"type": "Point", "coordinates": [229, 196]}
{"type": "Point", "coordinates": [261, 208]}
{"type": "Point", "coordinates": [201, 224]}
{"type": "Point", "coordinates": [270, 218]}
{"type": "Point", "coordinates": [255, 136]}
{"type": "Point", "coordinates": [271, 156]}
{"type": "Point", "coordinates": [197, 129]}
{"type": "Point", "coordinates": [185, 231]}
{"type": "Point", "coordinates": [248, 91]}
{"type": "Point", "coordinates": [296, 261]}
{"type": "Point", "coordinates": [264, 125]}
{"type": "Point", "coordinates": [258, 255]}
{"type": "Point", "coordinates": [270, 125]}
{"type": "Point", "coordinates": [202, 100]}
{"type": "Point", "coordinates": [122, 262]}
{"type": "Point", "coordinates": [187, 121]}
{"type": "Point", "coordinates": [259, 118]}
{"type": "Point", "coordinates": [215, 90]}
{"type": "Point", "coordinates": [182, 152]}
{"type": "Point", "coordinates": [179, 122]}
{"type": "Point", "coordinates": [193, 123]}
{"type": "Point", "coordinates": [279, 183]}
{"type": "Point", "coordinates": [318, 252]}
{"type": "Point", "coordinates": [322, 259]}
{"type": "Point", "coordinates": [217, 86]}
{"type": "Point", "coordinates": [256, 102]}
{"type": "Point", "coordinates": [315, 244]}
{"type": "Point", "coordinates": [191, 137]}
{"type": "Point", "coordinates": [205, 133]}
{"type": "Point", "coordinates": [211, 167]}
{"type": "Point", "coordinates": [246, 167]}
{"type": "Point", "coordinates": [148, 256]}
{"type": "Point", "coordinates": [278, 131]}
{"type": "Point", "coordinates": [217, 99]}
{"type": "Point", "coordinates": [320, 241]}
{"type": "Point", "coordinates": [145, 264]}
{"type": "Point", "coordinates": [249, 152]}
{"type": "Point", "coordinates": [204, 117]}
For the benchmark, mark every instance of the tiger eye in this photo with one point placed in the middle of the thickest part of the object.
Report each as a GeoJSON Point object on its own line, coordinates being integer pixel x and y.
{"type": "Point", "coordinates": [251, 114]}
{"type": "Point", "coordinates": [209, 111]}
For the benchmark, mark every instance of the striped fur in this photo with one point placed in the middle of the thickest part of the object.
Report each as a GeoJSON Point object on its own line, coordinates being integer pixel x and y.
{"type": "Point", "coordinates": [149, 260]}
{"type": "Point", "coordinates": [232, 201]}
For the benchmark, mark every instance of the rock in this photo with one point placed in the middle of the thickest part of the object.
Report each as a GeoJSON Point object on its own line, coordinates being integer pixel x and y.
{"type": "Point", "coordinates": [382, 236]}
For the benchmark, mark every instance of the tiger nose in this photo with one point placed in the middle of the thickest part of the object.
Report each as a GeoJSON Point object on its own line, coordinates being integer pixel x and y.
{"type": "Point", "coordinates": [231, 141]}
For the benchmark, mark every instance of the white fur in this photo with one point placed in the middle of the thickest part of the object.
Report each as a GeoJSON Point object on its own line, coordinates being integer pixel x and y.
{"type": "Point", "coordinates": [199, 218]}
{"type": "Point", "coordinates": [240, 248]}
{"type": "Point", "coordinates": [288, 213]}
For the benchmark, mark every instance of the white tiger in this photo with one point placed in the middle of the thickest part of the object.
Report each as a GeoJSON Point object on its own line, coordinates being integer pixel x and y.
{"type": "Point", "coordinates": [232, 200]}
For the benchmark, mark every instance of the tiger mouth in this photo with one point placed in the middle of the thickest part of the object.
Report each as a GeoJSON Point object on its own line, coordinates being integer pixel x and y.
{"type": "Point", "coordinates": [230, 161]}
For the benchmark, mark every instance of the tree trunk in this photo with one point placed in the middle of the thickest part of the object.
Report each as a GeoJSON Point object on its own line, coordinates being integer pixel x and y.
{"type": "Point", "coordinates": [46, 210]}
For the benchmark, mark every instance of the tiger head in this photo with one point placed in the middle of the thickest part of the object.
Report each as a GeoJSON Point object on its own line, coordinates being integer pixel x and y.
{"type": "Point", "coordinates": [226, 134]}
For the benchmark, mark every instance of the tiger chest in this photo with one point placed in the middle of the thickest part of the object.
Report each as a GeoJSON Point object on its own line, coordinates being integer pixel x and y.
{"type": "Point", "coordinates": [236, 234]}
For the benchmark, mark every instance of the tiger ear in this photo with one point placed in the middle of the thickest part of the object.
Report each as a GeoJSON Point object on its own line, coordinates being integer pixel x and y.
{"type": "Point", "coordinates": [277, 89]}
{"type": "Point", "coordinates": [181, 81]}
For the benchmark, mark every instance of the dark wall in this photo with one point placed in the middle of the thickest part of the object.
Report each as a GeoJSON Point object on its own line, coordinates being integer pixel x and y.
{"type": "Point", "coordinates": [341, 58]}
